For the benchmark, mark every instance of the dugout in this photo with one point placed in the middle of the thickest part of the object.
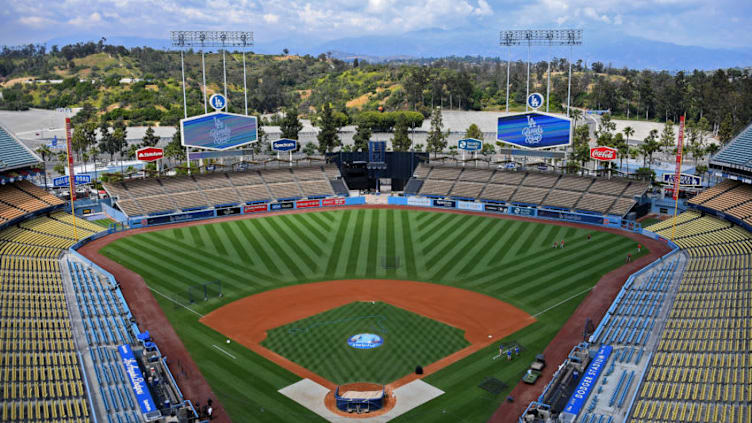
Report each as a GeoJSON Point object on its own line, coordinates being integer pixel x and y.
{"type": "Point", "coordinates": [359, 397]}
{"type": "Point", "coordinates": [361, 172]}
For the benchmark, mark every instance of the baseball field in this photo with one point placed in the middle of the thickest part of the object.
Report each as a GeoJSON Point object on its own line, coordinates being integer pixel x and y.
{"type": "Point", "coordinates": [510, 265]}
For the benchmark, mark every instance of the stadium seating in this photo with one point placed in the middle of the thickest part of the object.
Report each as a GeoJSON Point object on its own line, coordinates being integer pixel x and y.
{"type": "Point", "coordinates": [15, 154]}
{"type": "Point", "coordinates": [167, 195]}
{"type": "Point", "coordinates": [42, 377]}
{"type": "Point", "coordinates": [612, 196]}
{"type": "Point", "coordinates": [736, 152]}
{"type": "Point", "coordinates": [702, 369]}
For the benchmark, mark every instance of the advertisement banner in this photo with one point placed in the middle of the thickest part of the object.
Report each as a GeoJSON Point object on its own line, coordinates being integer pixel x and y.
{"type": "Point", "coordinates": [218, 131]}
{"type": "Point", "coordinates": [419, 201]}
{"type": "Point", "coordinates": [679, 146]}
{"type": "Point", "coordinates": [228, 211]}
{"type": "Point", "coordinates": [572, 217]}
{"type": "Point", "coordinates": [470, 144]}
{"type": "Point", "coordinates": [445, 203]}
{"type": "Point", "coordinates": [284, 144]}
{"type": "Point", "coordinates": [254, 208]}
{"type": "Point", "coordinates": [281, 206]}
{"type": "Point", "coordinates": [307, 203]}
{"type": "Point", "coordinates": [534, 130]}
{"type": "Point", "coordinates": [327, 202]}
{"type": "Point", "coordinates": [685, 180]}
{"type": "Point", "coordinates": [138, 383]}
{"type": "Point", "coordinates": [521, 211]}
{"type": "Point", "coordinates": [469, 205]}
{"type": "Point", "coordinates": [496, 208]}
{"type": "Point", "coordinates": [149, 154]}
{"type": "Point", "coordinates": [588, 380]}
{"type": "Point", "coordinates": [603, 153]}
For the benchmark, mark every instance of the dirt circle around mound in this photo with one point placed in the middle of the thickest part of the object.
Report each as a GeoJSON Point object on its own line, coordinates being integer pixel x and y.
{"type": "Point", "coordinates": [388, 403]}
{"type": "Point", "coordinates": [484, 319]}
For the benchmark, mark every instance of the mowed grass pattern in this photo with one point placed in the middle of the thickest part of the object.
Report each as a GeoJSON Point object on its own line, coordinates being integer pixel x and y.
{"type": "Point", "coordinates": [319, 343]}
{"type": "Point", "coordinates": [507, 259]}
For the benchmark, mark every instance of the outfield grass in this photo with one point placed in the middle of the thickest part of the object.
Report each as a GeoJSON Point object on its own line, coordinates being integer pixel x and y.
{"type": "Point", "coordinates": [103, 222]}
{"type": "Point", "coordinates": [510, 260]}
{"type": "Point", "coordinates": [319, 343]}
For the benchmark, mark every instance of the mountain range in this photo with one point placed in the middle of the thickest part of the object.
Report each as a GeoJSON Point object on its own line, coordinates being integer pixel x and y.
{"type": "Point", "coordinates": [598, 45]}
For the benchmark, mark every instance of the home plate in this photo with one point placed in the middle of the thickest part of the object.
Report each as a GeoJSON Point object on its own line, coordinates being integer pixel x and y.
{"type": "Point", "coordinates": [311, 395]}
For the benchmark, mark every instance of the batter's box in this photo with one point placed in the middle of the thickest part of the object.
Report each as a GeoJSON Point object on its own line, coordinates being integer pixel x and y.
{"type": "Point", "coordinates": [493, 385]}
{"type": "Point", "coordinates": [390, 262]}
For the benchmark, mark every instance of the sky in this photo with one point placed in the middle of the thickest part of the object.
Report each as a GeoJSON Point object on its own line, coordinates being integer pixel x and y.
{"type": "Point", "coordinates": [704, 23]}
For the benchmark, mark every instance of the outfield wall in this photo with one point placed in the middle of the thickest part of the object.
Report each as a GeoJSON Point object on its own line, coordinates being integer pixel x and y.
{"type": "Point", "coordinates": [515, 210]}
{"type": "Point", "coordinates": [143, 221]}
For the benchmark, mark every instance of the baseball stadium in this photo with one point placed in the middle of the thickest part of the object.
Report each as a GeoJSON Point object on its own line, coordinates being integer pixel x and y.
{"type": "Point", "coordinates": [274, 293]}
{"type": "Point", "coordinates": [380, 285]}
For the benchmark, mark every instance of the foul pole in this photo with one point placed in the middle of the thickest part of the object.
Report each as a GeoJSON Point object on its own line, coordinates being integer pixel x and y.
{"type": "Point", "coordinates": [71, 174]}
{"type": "Point", "coordinates": [677, 173]}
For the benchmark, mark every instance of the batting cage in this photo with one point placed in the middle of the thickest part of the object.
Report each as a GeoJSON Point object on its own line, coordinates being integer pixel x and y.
{"type": "Point", "coordinates": [355, 398]}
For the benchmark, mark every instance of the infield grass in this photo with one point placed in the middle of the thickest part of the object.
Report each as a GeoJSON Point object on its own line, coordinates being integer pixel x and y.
{"type": "Point", "coordinates": [507, 259]}
{"type": "Point", "coordinates": [319, 343]}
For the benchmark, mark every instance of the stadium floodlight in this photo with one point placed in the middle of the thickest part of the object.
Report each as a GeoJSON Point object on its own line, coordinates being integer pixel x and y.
{"type": "Point", "coordinates": [540, 37]}
{"type": "Point", "coordinates": [203, 39]}
{"type": "Point", "coordinates": [211, 39]}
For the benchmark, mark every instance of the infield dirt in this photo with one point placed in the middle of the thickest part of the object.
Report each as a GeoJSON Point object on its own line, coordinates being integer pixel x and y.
{"type": "Point", "coordinates": [247, 320]}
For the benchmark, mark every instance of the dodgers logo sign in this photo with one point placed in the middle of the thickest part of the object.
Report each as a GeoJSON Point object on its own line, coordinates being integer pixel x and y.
{"type": "Point", "coordinates": [218, 101]}
{"type": "Point", "coordinates": [535, 101]}
{"type": "Point", "coordinates": [365, 341]}
{"type": "Point", "coordinates": [218, 131]}
{"type": "Point", "coordinates": [534, 130]}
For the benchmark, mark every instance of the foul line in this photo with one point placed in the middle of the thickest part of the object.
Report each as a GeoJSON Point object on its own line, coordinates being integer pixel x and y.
{"type": "Point", "coordinates": [562, 302]}
{"type": "Point", "coordinates": [178, 303]}
{"type": "Point", "coordinates": [217, 347]}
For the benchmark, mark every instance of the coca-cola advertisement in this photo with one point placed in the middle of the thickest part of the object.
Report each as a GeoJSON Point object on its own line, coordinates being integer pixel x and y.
{"type": "Point", "coordinates": [604, 154]}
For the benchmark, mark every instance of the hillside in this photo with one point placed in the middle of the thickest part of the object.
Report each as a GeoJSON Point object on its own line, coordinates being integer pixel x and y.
{"type": "Point", "coordinates": [142, 85]}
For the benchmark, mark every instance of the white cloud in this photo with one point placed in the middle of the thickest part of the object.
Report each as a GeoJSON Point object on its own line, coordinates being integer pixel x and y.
{"type": "Point", "coordinates": [271, 18]}
{"type": "Point", "coordinates": [91, 20]}
{"type": "Point", "coordinates": [35, 21]}
{"type": "Point", "coordinates": [483, 9]}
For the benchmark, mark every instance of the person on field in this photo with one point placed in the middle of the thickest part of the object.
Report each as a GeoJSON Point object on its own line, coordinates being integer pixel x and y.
{"type": "Point", "coordinates": [639, 247]}
{"type": "Point", "coordinates": [556, 244]}
{"type": "Point", "coordinates": [588, 237]}
{"type": "Point", "coordinates": [562, 243]}
{"type": "Point", "coordinates": [509, 354]}
{"type": "Point", "coordinates": [629, 257]}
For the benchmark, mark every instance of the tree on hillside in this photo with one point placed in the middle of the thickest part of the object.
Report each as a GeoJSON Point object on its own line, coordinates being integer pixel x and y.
{"type": "Point", "coordinates": [150, 138]}
{"type": "Point", "coordinates": [436, 141]}
{"type": "Point", "coordinates": [290, 125]}
{"type": "Point", "coordinates": [174, 150]}
{"type": "Point", "coordinates": [668, 136]}
{"type": "Point", "coordinates": [474, 132]}
{"type": "Point", "coordinates": [45, 152]}
{"type": "Point", "coordinates": [362, 136]}
{"type": "Point", "coordinates": [84, 136]}
{"type": "Point", "coordinates": [726, 130]}
{"type": "Point", "coordinates": [401, 140]}
{"type": "Point", "coordinates": [327, 137]}
{"type": "Point", "coordinates": [581, 145]}
{"type": "Point", "coordinates": [649, 146]}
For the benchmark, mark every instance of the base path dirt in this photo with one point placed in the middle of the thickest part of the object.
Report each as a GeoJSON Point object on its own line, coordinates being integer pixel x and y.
{"type": "Point", "coordinates": [484, 319]}
{"type": "Point", "coordinates": [194, 386]}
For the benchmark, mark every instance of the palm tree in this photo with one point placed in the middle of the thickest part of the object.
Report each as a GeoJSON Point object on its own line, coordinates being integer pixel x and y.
{"type": "Point", "coordinates": [628, 132]}
{"type": "Point", "coordinates": [576, 115]}
{"type": "Point", "coordinates": [45, 152]}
